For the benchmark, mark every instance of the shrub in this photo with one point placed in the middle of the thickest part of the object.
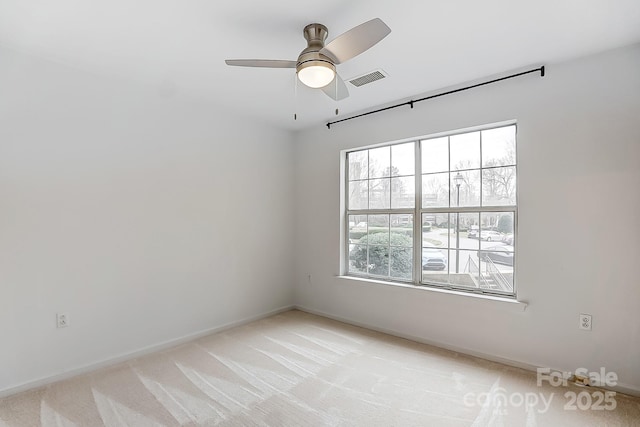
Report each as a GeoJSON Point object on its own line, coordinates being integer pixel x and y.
{"type": "Point", "coordinates": [378, 243]}
{"type": "Point", "coordinates": [505, 224]}
{"type": "Point", "coordinates": [355, 234]}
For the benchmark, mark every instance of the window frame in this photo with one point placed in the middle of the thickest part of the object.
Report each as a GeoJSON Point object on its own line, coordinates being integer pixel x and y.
{"type": "Point", "coordinates": [418, 280]}
{"type": "Point", "coordinates": [379, 211]}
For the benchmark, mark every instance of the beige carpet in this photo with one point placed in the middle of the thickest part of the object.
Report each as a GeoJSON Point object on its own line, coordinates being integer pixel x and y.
{"type": "Point", "coordinates": [296, 369]}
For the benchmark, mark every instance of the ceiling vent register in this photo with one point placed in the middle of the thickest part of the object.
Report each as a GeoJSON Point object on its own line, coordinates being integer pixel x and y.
{"type": "Point", "coordinates": [368, 78]}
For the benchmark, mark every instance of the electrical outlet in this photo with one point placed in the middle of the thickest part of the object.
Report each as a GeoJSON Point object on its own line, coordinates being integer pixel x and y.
{"type": "Point", "coordinates": [580, 380]}
{"type": "Point", "coordinates": [585, 321]}
{"type": "Point", "coordinates": [62, 320]}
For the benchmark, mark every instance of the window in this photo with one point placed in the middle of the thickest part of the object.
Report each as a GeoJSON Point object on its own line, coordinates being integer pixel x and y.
{"type": "Point", "coordinates": [437, 211]}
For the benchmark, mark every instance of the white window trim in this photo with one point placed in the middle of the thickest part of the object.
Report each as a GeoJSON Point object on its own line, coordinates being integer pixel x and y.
{"type": "Point", "coordinates": [417, 212]}
{"type": "Point", "coordinates": [518, 305]}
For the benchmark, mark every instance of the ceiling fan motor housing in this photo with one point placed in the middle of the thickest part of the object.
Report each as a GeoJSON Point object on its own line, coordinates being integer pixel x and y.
{"type": "Point", "coordinates": [315, 34]}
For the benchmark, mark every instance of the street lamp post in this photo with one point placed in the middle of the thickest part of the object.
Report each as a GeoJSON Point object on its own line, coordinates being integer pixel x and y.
{"type": "Point", "coordinates": [458, 179]}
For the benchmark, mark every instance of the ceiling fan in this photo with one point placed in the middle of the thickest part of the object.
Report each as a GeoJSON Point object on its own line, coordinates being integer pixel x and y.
{"type": "Point", "coordinates": [316, 64]}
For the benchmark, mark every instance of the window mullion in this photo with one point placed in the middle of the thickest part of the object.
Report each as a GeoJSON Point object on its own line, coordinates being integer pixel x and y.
{"type": "Point", "coordinates": [417, 216]}
{"type": "Point", "coordinates": [382, 211]}
{"type": "Point", "coordinates": [481, 174]}
{"type": "Point", "coordinates": [389, 243]}
{"type": "Point", "coordinates": [471, 209]}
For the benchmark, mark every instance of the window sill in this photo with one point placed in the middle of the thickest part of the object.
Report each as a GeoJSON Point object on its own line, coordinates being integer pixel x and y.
{"type": "Point", "coordinates": [509, 302]}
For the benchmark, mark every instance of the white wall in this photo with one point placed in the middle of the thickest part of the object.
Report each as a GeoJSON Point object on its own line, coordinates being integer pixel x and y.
{"type": "Point", "coordinates": [579, 228]}
{"type": "Point", "coordinates": [148, 217]}
{"type": "Point", "coordinates": [145, 217]}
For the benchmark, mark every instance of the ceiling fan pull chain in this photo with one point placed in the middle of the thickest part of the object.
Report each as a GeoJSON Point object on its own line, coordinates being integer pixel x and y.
{"type": "Point", "coordinates": [337, 102]}
{"type": "Point", "coordinates": [295, 97]}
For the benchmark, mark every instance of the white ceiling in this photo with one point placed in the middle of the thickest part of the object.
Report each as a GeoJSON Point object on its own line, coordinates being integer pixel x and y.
{"type": "Point", "coordinates": [179, 46]}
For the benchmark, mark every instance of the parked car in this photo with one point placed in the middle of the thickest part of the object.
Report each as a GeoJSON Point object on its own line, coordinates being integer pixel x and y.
{"type": "Point", "coordinates": [473, 233]}
{"type": "Point", "coordinates": [498, 254]}
{"type": "Point", "coordinates": [508, 239]}
{"type": "Point", "coordinates": [490, 235]}
{"type": "Point", "coordinates": [433, 259]}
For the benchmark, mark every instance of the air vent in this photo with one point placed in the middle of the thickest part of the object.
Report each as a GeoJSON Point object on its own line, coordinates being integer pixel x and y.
{"type": "Point", "coordinates": [368, 78]}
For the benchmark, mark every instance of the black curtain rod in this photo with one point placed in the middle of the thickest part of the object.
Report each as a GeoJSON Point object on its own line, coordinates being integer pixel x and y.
{"type": "Point", "coordinates": [410, 103]}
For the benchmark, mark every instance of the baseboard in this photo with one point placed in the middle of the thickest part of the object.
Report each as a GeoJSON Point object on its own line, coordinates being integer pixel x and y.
{"type": "Point", "coordinates": [619, 388]}
{"type": "Point", "coordinates": [40, 382]}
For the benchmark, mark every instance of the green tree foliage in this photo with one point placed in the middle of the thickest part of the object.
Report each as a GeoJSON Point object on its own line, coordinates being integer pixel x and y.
{"type": "Point", "coordinates": [505, 224]}
{"type": "Point", "coordinates": [379, 256]}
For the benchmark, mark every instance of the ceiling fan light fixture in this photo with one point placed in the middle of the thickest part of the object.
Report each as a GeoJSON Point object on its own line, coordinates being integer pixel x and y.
{"type": "Point", "coordinates": [316, 74]}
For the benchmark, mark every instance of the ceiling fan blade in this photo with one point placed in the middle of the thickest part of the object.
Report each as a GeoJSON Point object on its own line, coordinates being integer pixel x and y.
{"type": "Point", "coordinates": [356, 40]}
{"type": "Point", "coordinates": [336, 90]}
{"type": "Point", "coordinates": [265, 63]}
